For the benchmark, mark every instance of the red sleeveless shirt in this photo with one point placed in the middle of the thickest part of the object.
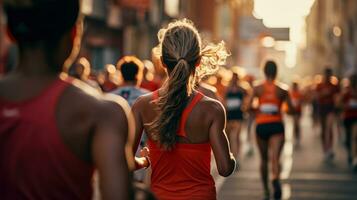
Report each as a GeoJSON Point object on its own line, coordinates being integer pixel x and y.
{"type": "Point", "coordinates": [184, 172]}
{"type": "Point", "coordinates": [34, 162]}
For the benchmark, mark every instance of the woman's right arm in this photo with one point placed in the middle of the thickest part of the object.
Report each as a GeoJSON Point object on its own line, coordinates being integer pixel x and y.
{"type": "Point", "coordinates": [140, 162]}
{"type": "Point", "coordinates": [224, 158]}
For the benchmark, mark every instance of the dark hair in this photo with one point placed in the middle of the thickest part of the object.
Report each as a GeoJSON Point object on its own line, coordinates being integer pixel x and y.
{"type": "Point", "coordinates": [270, 69]}
{"type": "Point", "coordinates": [129, 71]}
{"type": "Point", "coordinates": [40, 20]}
{"type": "Point", "coordinates": [181, 46]}
{"type": "Point", "coordinates": [130, 67]}
{"type": "Point", "coordinates": [328, 71]}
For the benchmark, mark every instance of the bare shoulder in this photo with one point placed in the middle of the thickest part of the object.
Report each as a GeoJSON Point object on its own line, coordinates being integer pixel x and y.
{"type": "Point", "coordinates": [257, 87]}
{"type": "Point", "coordinates": [86, 100]}
{"type": "Point", "coordinates": [143, 101]}
{"type": "Point", "coordinates": [212, 107]}
{"type": "Point", "coordinates": [245, 86]}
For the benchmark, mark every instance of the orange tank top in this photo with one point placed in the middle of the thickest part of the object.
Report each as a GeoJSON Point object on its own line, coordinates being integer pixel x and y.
{"type": "Point", "coordinates": [269, 110]}
{"type": "Point", "coordinates": [296, 98]}
{"type": "Point", "coordinates": [183, 172]}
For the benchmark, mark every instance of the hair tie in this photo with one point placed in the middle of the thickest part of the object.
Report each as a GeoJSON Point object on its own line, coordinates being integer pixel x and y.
{"type": "Point", "coordinates": [182, 58]}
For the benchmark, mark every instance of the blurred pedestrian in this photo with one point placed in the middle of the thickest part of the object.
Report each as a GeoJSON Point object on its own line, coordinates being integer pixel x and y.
{"type": "Point", "coordinates": [131, 69]}
{"type": "Point", "coordinates": [54, 133]}
{"type": "Point", "coordinates": [326, 92]}
{"type": "Point", "coordinates": [182, 124]}
{"type": "Point", "coordinates": [109, 83]}
{"type": "Point", "coordinates": [250, 119]}
{"type": "Point", "coordinates": [148, 81]}
{"type": "Point", "coordinates": [236, 95]}
{"type": "Point", "coordinates": [296, 99]}
{"type": "Point", "coordinates": [221, 88]}
{"type": "Point", "coordinates": [348, 103]}
{"type": "Point", "coordinates": [270, 127]}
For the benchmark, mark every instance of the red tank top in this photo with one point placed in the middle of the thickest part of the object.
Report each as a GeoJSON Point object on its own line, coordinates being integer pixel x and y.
{"type": "Point", "coordinates": [184, 172]}
{"type": "Point", "coordinates": [35, 163]}
{"type": "Point", "coordinates": [269, 110]}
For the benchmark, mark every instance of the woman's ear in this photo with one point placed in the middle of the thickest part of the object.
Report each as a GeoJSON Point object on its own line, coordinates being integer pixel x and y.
{"type": "Point", "coordinates": [162, 62]}
{"type": "Point", "coordinates": [198, 62]}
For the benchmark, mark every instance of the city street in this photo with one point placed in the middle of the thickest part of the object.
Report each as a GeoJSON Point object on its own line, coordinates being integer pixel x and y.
{"type": "Point", "coordinates": [305, 174]}
{"type": "Point", "coordinates": [143, 99]}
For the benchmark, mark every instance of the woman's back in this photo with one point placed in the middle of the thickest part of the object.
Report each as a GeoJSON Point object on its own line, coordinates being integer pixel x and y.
{"type": "Point", "coordinates": [185, 169]}
{"type": "Point", "coordinates": [183, 126]}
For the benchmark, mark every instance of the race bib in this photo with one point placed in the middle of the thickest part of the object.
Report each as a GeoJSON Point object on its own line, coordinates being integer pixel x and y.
{"type": "Point", "coordinates": [233, 103]}
{"type": "Point", "coordinates": [268, 108]}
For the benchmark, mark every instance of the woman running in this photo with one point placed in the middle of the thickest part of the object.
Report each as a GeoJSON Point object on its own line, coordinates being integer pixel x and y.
{"type": "Point", "coordinates": [234, 99]}
{"type": "Point", "coordinates": [183, 125]}
{"type": "Point", "coordinates": [270, 127]}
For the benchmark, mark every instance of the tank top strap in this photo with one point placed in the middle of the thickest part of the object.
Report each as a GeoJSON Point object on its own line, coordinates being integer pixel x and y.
{"type": "Point", "coordinates": [186, 112]}
{"type": "Point", "coordinates": [56, 89]}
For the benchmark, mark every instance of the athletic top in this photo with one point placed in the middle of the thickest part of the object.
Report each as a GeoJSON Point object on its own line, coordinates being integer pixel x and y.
{"type": "Point", "coordinates": [35, 163]}
{"type": "Point", "coordinates": [130, 93]}
{"type": "Point", "coordinates": [183, 172]}
{"type": "Point", "coordinates": [296, 99]}
{"type": "Point", "coordinates": [269, 110]}
{"type": "Point", "coordinates": [350, 104]}
{"type": "Point", "coordinates": [234, 101]}
{"type": "Point", "coordinates": [326, 92]}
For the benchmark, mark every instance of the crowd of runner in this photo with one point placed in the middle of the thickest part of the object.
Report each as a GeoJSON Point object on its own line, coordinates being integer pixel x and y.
{"type": "Point", "coordinates": [58, 128]}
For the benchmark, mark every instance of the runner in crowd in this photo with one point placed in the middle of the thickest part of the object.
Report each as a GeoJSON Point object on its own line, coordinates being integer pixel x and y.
{"type": "Point", "coordinates": [270, 127]}
{"type": "Point", "coordinates": [296, 99]}
{"type": "Point", "coordinates": [131, 69]}
{"type": "Point", "coordinates": [54, 133]}
{"type": "Point", "coordinates": [313, 99]}
{"type": "Point", "coordinates": [182, 124]}
{"type": "Point", "coordinates": [326, 92]}
{"type": "Point", "coordinates": [235, 97]}
{"type": "Point", "coordinates": [348, 102]}
{"type": "Point", "coordinates": [108, 83]}
{"type": "Point", "coordinates": [250, 119]}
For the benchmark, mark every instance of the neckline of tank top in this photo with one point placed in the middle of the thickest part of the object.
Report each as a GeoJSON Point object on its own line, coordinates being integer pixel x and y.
{"type": "Point", "coordinates": [40, 94]}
